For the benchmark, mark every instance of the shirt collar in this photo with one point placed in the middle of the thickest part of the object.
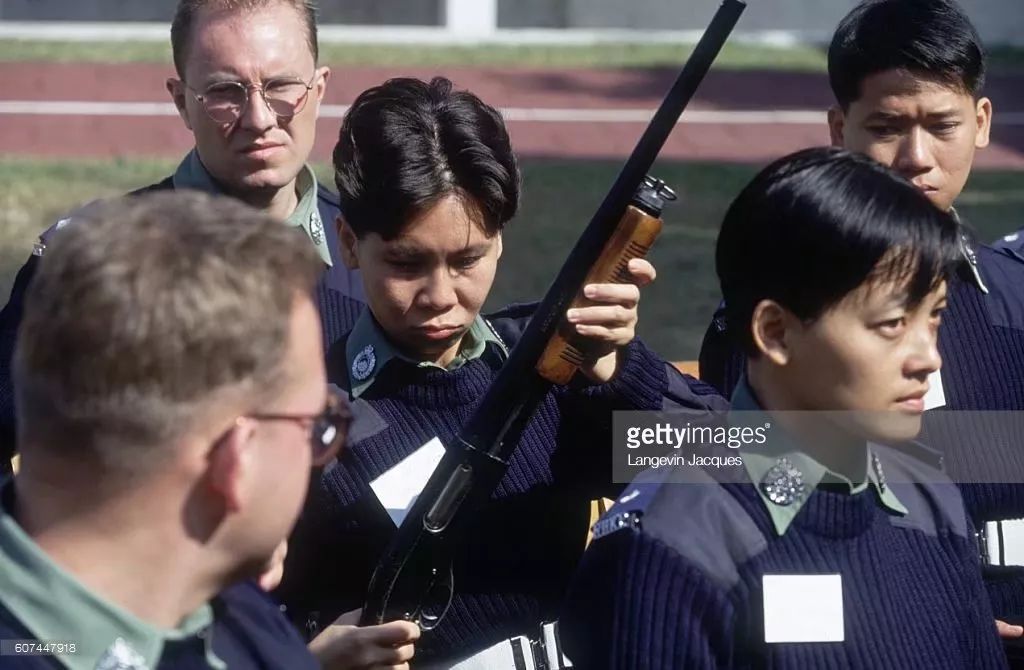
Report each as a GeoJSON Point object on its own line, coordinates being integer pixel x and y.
{"type": "Point", "coordinates": [969, 254]}
{"type": "Point", "coordinates": [192, 174]}
{"type": "Point", "coordinates": [785, 476]}
{"type": "Point", "coordinates": [30, 584]}
{"type": "Point", "coordinates": [368, 350]}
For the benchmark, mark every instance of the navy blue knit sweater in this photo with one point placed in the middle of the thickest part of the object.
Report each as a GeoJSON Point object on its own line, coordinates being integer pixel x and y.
{"type": "Point", "coordinates": [512, 574]}
{"type": "Point", "coordinates": [982, 346]}
{"type": "Point", "coordinates": [681, 586]}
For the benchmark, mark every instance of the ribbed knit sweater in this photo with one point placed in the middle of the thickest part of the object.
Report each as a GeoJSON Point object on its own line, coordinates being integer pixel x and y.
{"type": "Point", "coordinates": [682, 587]}
{"type": "Point", "coordinates": [981, 341]}
{"type": "Point", "coordinates": [511, 575]}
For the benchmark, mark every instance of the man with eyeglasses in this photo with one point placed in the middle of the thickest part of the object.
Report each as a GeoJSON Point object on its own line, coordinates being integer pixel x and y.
{"type": "Point", "coordinates": [249, 87]}
{"type": "Point", "coordinates": [172, 399]}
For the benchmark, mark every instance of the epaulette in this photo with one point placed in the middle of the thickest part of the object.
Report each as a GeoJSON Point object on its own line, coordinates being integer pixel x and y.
{"type": "Point", "coordinates": [607, 525]}
{"type": "Point", "coordinates": [932, 500]}
{"type": "Point", "coordinates": [71, 217]}
{"type": "Point", "coordinates": [922, 452]}
{"type": "Point", "coordinates": [509, 322]}
{"type": "Point", "coordinates": [628, 510]}
{"type": "Point", "coordinates": [39, 248]}
{"type": "Point", "coordinates": [327, 195]}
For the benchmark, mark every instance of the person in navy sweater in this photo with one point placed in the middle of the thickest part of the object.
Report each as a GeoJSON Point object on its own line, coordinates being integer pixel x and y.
{"type": "Point", "coordinates": [428, 180]}
{"type": "Point", "coordinates": [248, 87]}
{"type": "Point", "coordinates": [908, 78]}
{"type": "Point", "coordinates": [823, 548]}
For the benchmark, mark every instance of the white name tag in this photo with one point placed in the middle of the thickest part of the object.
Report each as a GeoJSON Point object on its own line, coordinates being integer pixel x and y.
{"type": "Point", "coordinates": [803, 608]}
{"type": "Point", "coordinates": [935, 397]}
{"type": "Point", "coordinates": [398, 488]}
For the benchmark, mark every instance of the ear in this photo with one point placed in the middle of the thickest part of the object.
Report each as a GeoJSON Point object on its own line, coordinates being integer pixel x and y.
{"type": "Point", "coordinates": [983, 114]}
{"type": "Point", "coordinates": [321, 82]}
{"type": "Point", "coordinates": [176, 88]}
{"type": "Point", "coordinates": [349, 243]}
{"type": "Point", "coordinates": [500, 247]}
{"type": "Point", "coordinates": [771, 328]}
{"type": "Point", "coordinates": [836, 125]}
{"type": "Point", "coordinates": [229, 465]}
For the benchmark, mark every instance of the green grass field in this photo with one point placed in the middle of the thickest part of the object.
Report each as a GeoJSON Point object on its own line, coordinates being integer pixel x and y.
{"type": "Point", "coordinates": [558, 198]}
{"type": "Point", "coordinates": [733, 56]}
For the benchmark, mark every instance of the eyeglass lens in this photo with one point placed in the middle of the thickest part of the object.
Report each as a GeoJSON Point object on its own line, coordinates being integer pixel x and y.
{"type": "Point", "coordinates": [225, 102]}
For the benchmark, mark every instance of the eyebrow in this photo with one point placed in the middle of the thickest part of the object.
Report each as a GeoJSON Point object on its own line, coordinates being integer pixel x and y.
{"type": "Point", "coordinates": [400, 250]}
{"type": "Point", "coordinates": [223, 76]}
{"type": "Point", "coordinates": [939, 115]}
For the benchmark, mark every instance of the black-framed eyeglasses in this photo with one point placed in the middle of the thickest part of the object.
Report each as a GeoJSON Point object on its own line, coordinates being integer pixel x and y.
{"type": "Point", "coordinates": [226, 101]}
{"type": "Point", "coordinates": [327, 430]}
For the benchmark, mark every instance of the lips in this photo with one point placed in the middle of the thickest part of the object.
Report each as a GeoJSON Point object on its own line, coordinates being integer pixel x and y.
{"type": "Point", "coordinates": [913, 402]}
{"type": "Point", "coordinates": [442, 332]}
{"type": "Point", "coordinates": [260, 150]}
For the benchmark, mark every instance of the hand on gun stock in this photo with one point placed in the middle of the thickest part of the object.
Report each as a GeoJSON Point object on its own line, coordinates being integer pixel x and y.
{"type": "Point", "coordinates": [609, 323]}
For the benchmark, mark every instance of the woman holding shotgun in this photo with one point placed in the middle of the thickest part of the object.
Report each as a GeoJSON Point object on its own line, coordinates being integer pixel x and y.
{"type": "Point", "coordinates": [428, 180]}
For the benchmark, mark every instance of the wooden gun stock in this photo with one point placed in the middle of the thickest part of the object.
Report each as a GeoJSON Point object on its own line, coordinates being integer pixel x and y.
{"type": "Point", "coordinates": [634, 235]}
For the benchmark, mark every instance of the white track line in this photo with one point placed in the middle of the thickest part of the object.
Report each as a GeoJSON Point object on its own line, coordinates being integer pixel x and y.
{"type": "Point", "coordinates": [535, 114]}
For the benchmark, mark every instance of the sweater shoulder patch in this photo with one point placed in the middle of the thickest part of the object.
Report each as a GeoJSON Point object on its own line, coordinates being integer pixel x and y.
{"type": "Point", "coordinates": [932, 500]}
{"type": "Point", "coordinates": [82, 213]}
{"type": "Point", "coordinates": [694, 515]}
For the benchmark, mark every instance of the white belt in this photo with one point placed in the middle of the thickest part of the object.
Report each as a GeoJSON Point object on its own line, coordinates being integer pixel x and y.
{"type": "Point", "coordinates": [517, 653]}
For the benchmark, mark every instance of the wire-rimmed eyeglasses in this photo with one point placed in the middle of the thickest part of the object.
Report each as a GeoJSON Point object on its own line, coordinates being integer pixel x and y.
{"type": "Point", "coordinates": [226, 101]}
{"type": "Point", "coordinates": [327, 429]}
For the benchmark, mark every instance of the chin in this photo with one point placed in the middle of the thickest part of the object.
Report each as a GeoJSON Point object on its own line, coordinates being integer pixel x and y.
{"type": "Point", "coordinates": [268, 178]}
{"type": "Point", "coordinates": [940, 200]}
{"type": "Point", "coordinates": [893, 427]}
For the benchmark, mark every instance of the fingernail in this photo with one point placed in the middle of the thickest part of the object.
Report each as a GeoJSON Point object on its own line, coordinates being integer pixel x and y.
{"type": "Point", "coordinates": [572, 314]}
{"type": "Point", "coordinates": [589, 291]}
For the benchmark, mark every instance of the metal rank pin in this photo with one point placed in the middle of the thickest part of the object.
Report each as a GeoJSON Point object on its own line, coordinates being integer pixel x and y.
{"type": "Point", "coordinates": [783, 484]}
{"type": "Point", "coordinates": [876, 465]}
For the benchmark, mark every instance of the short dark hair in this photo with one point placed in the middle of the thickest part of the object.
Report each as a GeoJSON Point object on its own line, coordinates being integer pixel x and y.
{"type": "Point", "coordinates": [813, 226]}
{"type": "Point", "coordinates": [185, 18]}
{"type": "Point", "coordinates": [406, 144]}
{"type": "Point", "coordinates": [930, 38]}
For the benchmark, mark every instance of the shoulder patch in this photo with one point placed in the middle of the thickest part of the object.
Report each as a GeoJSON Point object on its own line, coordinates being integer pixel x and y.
{"type": "Point", "coordinates": [689, 511]}
{"type": "Point", "coordinates": [71, 218]}
{"type": "Point", "coordinates": [509, 322]}
{"type": "Point", "coordinates": [81, 212]}
{"type": "Point", "coordinates": [932, 500]}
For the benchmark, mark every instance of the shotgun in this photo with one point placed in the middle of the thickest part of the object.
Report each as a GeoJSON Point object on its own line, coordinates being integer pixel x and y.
{"type": "Point", "coordinates": [413, 580]}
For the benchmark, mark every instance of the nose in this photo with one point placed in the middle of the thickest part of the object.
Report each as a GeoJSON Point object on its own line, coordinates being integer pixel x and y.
{"type": "Point", "coordinates": [914, 156]}
{"type": "Point", "coordinates": [438, 293]}
{"type": "Point", "coordinates": [923, 358]}
{"type": "Point", "coordinates": [257, 115]}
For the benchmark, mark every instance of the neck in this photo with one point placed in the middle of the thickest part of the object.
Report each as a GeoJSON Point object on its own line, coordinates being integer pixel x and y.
{"type": "Point", "coordinates": [101, 541]}
{"type": "Point", "coordinates": [278, 203]}
{"type": "Point", "coordinates": [821, 434]}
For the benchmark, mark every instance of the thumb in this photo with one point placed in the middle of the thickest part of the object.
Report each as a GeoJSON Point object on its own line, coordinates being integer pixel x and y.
{"type": "Point", "coordinates": [349, 618]}
{"type": "Point", "coordinates": [1008, 630]}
